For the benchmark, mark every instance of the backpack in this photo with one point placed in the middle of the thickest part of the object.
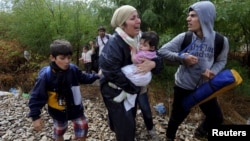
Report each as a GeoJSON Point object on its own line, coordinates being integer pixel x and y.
{"type": "Point", "coordinates": [218, 42]}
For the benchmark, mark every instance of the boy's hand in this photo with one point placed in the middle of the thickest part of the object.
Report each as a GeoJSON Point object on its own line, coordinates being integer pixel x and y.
{"type": "Point", "coordinates": [190, 59]}
{"type": "Point", "coordinates": [38, 124]}
{"type": "Point", "coordinates": [208, 74]}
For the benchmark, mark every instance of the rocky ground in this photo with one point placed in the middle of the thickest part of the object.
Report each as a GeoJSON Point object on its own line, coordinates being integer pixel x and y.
{"type": "Point", "coordinates": [15, 126]}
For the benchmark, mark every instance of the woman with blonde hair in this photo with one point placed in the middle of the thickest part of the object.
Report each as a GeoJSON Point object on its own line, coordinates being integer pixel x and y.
{"type": "Point", "coordinates": [115, 55]}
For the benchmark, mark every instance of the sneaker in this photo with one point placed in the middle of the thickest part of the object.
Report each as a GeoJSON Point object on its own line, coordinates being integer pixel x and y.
{"type": "Point", "coordinates": [153, 135]}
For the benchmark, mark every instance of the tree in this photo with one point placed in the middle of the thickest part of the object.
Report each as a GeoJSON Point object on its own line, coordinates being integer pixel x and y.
{"type": "Point", "coordinates": [233, 21]}
{"type": "Point", "coordinates": [157, 15]}
{"type": "Point", "coordinates": [38, 22]}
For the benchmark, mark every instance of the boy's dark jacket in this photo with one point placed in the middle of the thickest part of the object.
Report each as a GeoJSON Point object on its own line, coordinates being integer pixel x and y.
{"type": "Point", "coordinates": [46, 91]}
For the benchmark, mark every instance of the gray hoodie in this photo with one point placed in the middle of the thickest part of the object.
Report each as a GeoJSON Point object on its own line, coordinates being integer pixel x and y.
{"type": "Point", "coordinates": [188, 77]}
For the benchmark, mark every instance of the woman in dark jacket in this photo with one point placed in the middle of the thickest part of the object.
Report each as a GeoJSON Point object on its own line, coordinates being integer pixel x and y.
{"type": "Point", "coordinates": [115, 55]}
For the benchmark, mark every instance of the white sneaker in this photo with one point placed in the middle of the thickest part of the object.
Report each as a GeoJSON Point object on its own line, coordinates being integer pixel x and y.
{"type": "Point", "coordinates": [153, 135]}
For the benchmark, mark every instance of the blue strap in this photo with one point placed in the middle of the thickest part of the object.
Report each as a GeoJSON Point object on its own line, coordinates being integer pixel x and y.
{"type": "Point", "coordinates": [189, 46]}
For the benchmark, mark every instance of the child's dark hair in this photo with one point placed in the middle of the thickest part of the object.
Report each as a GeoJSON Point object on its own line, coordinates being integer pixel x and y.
{"type": "Point", "coordinates": [86, 46]}
{"type": "Point", "coordinates": [60, 47]}
{"type": "Point", "coordinates": [151, 37]}
{"type": "Point", "coordinates": [101, 28]}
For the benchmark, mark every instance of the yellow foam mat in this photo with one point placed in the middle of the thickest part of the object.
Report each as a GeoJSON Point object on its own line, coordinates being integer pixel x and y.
{"type": "Point", "coordinates": [238, 81]}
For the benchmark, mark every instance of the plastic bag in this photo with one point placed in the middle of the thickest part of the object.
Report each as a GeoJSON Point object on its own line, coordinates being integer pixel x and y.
{"type": "Point", "coordinates": [160, 108]}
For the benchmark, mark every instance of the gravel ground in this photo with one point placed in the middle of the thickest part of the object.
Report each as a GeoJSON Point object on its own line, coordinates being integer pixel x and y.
{"type": "Point", "coordinates": [15, 126]}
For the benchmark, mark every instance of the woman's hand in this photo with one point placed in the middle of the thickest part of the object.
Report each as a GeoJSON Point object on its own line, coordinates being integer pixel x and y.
{"type": "Point", "coordinates": [146, 66]}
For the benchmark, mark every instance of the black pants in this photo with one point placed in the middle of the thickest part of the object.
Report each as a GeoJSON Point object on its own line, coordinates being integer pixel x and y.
{"type": "Point", "coordinates": [88, 67]}
{"type": "Point", "coordinates": [122, 122]}
{"type": "Point", "coordinates": [95, 62]}
{"type": "Point", "coordinates": [210, 108]}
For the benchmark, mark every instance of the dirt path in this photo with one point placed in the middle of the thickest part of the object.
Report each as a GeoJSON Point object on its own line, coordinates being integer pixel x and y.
{"type": "Point", "coordinates": [14, 125]}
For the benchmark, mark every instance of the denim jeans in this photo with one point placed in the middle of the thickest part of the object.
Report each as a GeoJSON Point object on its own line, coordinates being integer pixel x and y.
{"type": "Point", "coordinates": [144, 105]}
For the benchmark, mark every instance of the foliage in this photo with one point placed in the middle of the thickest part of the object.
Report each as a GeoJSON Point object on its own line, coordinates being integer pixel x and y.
{"type": "Point", "coordinates": [165, 79]}
{"type": "Point", "coordinates": [38, 22]}
{"type": "Point", "coordinates": [5, 19]}
{"type": "Point", "coordinates": [156, 15]}
{"type": "Point", "coordinates": [9, 55]}
{"type": "Point", "coordinates": [244, 73]}
{"type": "Point", "coordinates": [14, 69]}
{"type": "Point", "coordinates": [103, 10]}
{"type": "Point", "coordinates": [35, 23]}
{"type": "Point", "coordinates": [233, 21]}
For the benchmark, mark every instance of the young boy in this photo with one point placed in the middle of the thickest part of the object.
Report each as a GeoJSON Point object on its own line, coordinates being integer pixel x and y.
{"type": "Point", "coordinates": [58, 86]}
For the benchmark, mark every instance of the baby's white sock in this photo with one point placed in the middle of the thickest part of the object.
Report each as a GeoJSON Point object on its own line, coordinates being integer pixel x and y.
{"type": "Point", "coordinates": [120, 97]}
